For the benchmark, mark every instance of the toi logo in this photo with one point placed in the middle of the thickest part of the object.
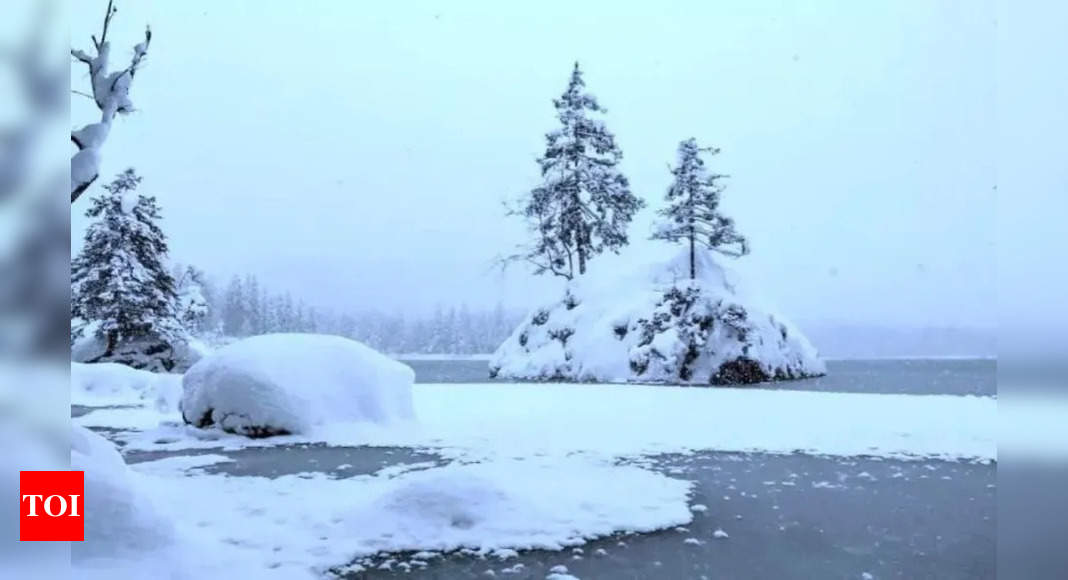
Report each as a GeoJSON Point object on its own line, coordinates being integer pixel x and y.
{"type": "Point", "coordinates": [51, 506]}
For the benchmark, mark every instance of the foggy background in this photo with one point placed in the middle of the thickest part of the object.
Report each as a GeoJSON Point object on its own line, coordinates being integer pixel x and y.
{"type": "Point", "coordinates": [358, 154]}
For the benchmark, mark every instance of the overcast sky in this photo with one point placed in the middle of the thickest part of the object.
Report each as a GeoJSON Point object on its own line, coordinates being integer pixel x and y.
{"type": "Point", "coordinates": [357, 154]}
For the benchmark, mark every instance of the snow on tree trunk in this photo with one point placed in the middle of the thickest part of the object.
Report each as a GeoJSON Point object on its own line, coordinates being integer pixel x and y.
{"type": "Point", "coordinates": [111, 93]}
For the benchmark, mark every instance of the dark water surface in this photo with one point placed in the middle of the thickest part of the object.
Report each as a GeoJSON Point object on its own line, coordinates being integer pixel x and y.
{"type": "Point", "coordinates": [914, 376]}
{"type": "Point", "coordinates": [785, 517]}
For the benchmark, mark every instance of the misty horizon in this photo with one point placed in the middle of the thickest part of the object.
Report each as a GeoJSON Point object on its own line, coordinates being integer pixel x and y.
{"type": "Point", "coordinates": [853, 139]}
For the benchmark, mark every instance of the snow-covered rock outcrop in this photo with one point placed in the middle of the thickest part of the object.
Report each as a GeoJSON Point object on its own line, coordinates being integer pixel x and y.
{"type": "Point", "coordinates": [120, 518]}
{"type": "Point", "coordinates": [652, 324]}
{"type": "Point", "coordinates": [286, 383]}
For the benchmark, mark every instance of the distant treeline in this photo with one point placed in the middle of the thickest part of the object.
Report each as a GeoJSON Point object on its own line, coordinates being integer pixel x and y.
{"type": "Point", "coordinates": [247, 308]}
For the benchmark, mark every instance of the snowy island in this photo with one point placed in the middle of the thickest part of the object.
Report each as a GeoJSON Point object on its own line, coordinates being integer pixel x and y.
{"type": "Point", "coordinates": [652, 324]}
{"type": "Point", "coordinates": [680, 320]}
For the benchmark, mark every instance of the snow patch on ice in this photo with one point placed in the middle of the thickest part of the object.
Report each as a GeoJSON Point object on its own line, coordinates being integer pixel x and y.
{"type": "Point", "coordinates": [518, 505]}
{"type": "Point", "coordinates": [304, 525]}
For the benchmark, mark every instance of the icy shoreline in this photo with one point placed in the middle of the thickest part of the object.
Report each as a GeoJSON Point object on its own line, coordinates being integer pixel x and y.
{"type": "Point", "coordinates": [486, 420]}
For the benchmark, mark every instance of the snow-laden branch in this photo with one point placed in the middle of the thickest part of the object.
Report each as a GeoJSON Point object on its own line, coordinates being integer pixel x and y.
{"type": "Point", "coordinates": [111, 93]}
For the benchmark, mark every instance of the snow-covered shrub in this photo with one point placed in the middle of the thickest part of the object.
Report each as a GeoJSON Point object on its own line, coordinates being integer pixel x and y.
{"type": "Point", "coordinates": [285, 383]}
{"type": "Point", "coordinates": [623, 323]}
{"type": "Point", "coordinates": [120, 520]}
{"type": "Point", "coordinates": [148, 354]}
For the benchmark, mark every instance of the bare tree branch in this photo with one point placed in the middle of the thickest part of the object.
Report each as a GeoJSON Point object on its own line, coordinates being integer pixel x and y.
{"type": "Point", "coordinates": [80, 55]}
{"type": "Point", "coordinates": [78, 191]}
{"type": "Point", "coordinates": [111, 95]}
{"type": "Point", "coordinates": [107, 21]}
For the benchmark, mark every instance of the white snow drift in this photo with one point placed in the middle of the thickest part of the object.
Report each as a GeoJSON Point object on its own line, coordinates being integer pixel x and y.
{"type": "Point", "coordinates": [651, 323]}
{"type": "Point", "coordinates": [121, 519]}
{"type": "Point", "coordinates": [287, 383]}
{"type": "Point", "coordinates": [299, 526]}
{"type": "Point", "coordinates": [104, 384]}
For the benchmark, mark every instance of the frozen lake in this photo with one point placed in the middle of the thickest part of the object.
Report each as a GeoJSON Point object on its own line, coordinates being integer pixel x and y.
{"type": "Point", "coordinates": [786, 517]}
{"type": "Point", "coordinates": [912, 376]}
{"type": "Point", "coordinates": [783, 515]}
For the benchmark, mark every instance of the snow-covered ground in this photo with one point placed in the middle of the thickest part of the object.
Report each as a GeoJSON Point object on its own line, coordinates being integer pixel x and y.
{"type": "Point", "coordinates": [302, 525]}
{"type": "Point", "coordinates": [104, 384]}
{"type": "Point", "coordinates": [489, 420]}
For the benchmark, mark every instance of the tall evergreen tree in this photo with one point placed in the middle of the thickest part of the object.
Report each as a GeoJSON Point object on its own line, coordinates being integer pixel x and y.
{"type": "Point", "coordinates": [234, 308]}
{"type": "Point", "coordinates": [692, 215]}
{"type": "Point", "coordinates": [584, 204]}
{"type": "Point", "coordinates": [286, 315]}
{"type": "Point", "coordinates": [121, 291]}
{"type": "Point", "coordinates": [253, 312]}
{"type": "Point", "coordinates": [192, 305]}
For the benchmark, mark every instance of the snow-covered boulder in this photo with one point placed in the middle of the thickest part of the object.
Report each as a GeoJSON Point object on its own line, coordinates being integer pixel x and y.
{"type": "Point", "coordinates": [120, 519]}
{"type": "Point", "coordinates": [286, 383]}
{"type": "Point", "coordinates": [103, 384]}
{"type": "Point", "coordinates": [652, 324]}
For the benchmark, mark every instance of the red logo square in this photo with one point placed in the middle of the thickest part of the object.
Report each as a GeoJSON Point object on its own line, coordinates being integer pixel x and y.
{"type": "Point", "coordinates": [51, 506]}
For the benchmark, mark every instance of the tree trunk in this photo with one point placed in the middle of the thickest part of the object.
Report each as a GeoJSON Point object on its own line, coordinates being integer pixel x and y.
{"type": "Point", "coordinates": [112, 340]}
{"type": "Point", "coordinates": [583, 247]}
{"type": "Point", "coordinates": [693, 259]}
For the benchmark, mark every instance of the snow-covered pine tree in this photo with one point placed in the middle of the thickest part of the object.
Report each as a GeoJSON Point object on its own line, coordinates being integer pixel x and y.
{"type": "Point", "coordinates": [233, 317]}
{"type": "Point", "coordinates": [692, 215]}
{"type": "Point", "coordinates": [286, 316]}
{"type": "Point", "coordinates": [192, 306]}
{"type": "Point", "coordinates": [121, 291]}
{"type": "Point", "coordinates": [584, 204]}
{"type": "Point", "coordinates": [253, 311]}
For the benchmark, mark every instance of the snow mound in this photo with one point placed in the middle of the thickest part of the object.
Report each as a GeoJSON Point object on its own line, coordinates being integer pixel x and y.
{"type": "Point", "coordinates": [120, 520]}
{"type": "Point", "coordinates": [515, 504]}
{"type": "Point", "coordinates": [287, 383]}
{"type": "Point", "coordinates": [652, 324]}
{"type": "Point", "coordinates": [105, 384]}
